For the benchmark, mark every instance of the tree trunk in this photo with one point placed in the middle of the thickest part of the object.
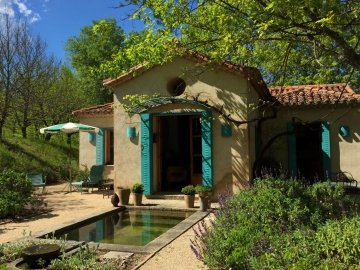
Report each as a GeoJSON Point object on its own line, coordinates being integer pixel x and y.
{"type": "Point", "coordinates": [23, 131]}
{"type": "Point", "coordinates": [48, 136]}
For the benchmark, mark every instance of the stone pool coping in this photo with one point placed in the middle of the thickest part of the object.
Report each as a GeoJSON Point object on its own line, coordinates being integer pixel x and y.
{"type": "Point", "coordinates": [151, 248]}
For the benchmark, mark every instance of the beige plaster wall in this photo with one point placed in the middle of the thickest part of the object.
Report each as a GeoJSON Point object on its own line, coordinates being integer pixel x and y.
{"type": "Point", "coordinates": [345, 151]}
{"type": "Point", "coordinates": [87, 151]}
{"type": "Point", "coordinates": [230, 154]}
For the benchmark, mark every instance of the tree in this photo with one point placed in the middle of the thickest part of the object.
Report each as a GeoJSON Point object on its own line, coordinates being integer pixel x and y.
{"type": "Point", "coordinates": [12, 32]}
{"type": "Point", "coordinates": [58, 98]}
{"type": "Point", "coordinates": [291, 42]}
{"type": "Point", "coordinates": [95, 45]}
{"type": "Point", "coordinates": [34, 70]}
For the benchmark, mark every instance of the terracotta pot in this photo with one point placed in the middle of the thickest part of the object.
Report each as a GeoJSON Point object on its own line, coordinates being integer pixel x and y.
{"type": "Point", "coordinates": [124, 195]}
{"type": "Point", "coordinates": [137, 199]}
{"type": "Point", "coordinates": [189, 201]}
{"type": "Point", "coordinates": [205, 200]}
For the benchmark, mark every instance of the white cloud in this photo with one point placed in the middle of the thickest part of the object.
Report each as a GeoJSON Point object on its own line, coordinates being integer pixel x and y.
{"type": "Point", "coordinates": [23, 8]}
{"type": "Point", "coordinates": [5, 7]}
{"type": "Point", "coordinates": [9, 7]}
{"type": "Point", "coordinates": [35, 17]}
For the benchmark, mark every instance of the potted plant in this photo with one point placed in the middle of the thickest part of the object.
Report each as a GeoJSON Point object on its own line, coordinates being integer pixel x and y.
{"type": "Point", "coordinates": [137, 190]}
{"type": "Point", "coordinates": [205, 193]}
{"type": "Point", "coordinates": [189, 195]}
{"type": "Point", "coordinates": [123, 194]}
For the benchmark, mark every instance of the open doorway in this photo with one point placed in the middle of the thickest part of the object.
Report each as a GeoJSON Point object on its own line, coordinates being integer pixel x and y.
{"type": "Point", "coordinates": [309, 152]}
{"type": "Point", "coordinates": [179, 144]}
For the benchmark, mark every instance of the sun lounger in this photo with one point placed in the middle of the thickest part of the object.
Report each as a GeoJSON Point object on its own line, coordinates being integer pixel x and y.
{"type": "Point", "coordinates": [94, 179]}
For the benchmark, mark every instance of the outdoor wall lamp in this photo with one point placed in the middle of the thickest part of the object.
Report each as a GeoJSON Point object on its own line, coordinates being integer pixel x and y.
{"type": "Point", "coordinates": [344, 131]}
{"type": "Point", "coordinates": [131, 132]}
{"type": "Point", "coordinates": [226, 130]}
{"type": "Point", "coordinates": [90, 136]}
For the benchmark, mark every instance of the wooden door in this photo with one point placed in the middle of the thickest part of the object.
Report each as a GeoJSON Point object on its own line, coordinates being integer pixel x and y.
{"type": "Point", "coordinates": [158, 140]}
{"type": "Point", "coordinates": [195, 150]}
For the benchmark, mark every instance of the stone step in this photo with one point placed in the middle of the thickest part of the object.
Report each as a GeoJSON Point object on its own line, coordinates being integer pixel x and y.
{"type": "Point", "coordinates": [165, 196]}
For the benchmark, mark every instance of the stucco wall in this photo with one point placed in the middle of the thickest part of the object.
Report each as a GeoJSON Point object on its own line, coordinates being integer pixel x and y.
{"type": "Point", "coordinates": [345, 151]}
{"type": "Point", "coordinates": [87, 151]}
{"type": "Point", "coordinates": [230, 154]}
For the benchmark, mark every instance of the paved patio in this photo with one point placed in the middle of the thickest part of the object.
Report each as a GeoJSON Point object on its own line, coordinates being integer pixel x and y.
{"type": "Point", "coordinates": [67, 208]}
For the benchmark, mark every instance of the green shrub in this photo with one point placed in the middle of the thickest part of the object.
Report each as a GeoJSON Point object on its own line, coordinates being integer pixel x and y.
{"type": "Point", "coordinates": [15, 193]}
{"type": "Point", "coordinates": [188, 190]}
{"type": "Point", "coordinates": [85, 258]}
{"type": "Point", "coordinates": [137, 188]}
{"type": "Point", "coordinates": [83, 174]}
{"type": "Point", "coordinates": [274, 224]}
{"type": "Point", "coordinates": [3, 267]}
{"type": "Point", "coordinates": [202, 188]}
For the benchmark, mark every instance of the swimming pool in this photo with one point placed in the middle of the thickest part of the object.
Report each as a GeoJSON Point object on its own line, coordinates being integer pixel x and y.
{"type": "Point", "coordinates": [133, 227]}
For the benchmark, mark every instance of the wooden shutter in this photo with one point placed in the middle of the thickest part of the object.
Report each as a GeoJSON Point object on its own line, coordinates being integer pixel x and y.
{"type": "Point", "coordinates": [292, 152]}
{"type": "Point", "coordinates": [325, 146]}
{"type": "Point", "coordinates": [100, 147]}
{"type": "Point", "coordinates": [146, 152]}
{"type": "Point", "coordinates": [206, 125]}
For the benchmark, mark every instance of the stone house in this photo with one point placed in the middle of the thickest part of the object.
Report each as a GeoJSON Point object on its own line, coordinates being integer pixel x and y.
{"type": "Point", "coordinates": [177, 139]}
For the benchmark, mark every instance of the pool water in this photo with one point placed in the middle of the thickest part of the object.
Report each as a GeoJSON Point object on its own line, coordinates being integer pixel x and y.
{"type": "Point", "coordinates": [136, 227]}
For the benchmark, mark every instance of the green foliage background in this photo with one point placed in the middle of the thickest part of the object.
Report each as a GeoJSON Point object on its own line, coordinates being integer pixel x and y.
{"type": "Point", "coordinates": [34, 154]}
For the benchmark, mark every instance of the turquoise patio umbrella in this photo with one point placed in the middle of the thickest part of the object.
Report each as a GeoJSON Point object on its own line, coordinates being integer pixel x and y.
{"type": "Point", "coordinates": [69, 128]}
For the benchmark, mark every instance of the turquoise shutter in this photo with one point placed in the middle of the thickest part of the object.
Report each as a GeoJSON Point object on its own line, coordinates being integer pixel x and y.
{"type": "Point", "coordinates": [100, 156]}
{"type": "Point", "coordinates": [325, 146]}
{"type": "Point", "coordinates": [292, 151]}
{"type": "Point", "coordinates": [206, 124]}
{"type": "Point", "coordinates": [146, 152]}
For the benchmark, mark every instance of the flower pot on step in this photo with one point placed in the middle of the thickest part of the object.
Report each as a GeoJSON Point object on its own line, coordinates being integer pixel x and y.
{"type": "Point", "coordinates": [189, 201]}
{"type": "Point", "coordinates": [137, 199]}
{"type": "Point", "coordinates": [124, 195]}
{"type": "Point", "coordinates": [205, 200]}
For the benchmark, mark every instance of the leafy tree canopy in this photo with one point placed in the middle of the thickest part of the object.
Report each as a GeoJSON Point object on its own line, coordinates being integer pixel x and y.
{"type": "Point", "coordinates": [95, 45]}
{"type": "Point", "coordinates": [291, 42]}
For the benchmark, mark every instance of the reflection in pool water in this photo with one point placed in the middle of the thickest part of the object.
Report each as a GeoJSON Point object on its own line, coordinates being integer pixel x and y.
{"type": "Point", "coordinates": [137, 227]}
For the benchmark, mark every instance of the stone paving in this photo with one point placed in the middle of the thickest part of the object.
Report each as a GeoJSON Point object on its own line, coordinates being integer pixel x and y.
{"type": "Point", "coordinates": [70, 208]}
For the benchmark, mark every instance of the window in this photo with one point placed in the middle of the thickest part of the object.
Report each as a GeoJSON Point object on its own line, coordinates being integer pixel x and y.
{"type": "Point", "coordinates": [109, 147]}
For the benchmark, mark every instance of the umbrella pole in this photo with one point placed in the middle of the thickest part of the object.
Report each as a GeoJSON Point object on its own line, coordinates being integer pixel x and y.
{"type": "Point", "coordinates": [70, 163]}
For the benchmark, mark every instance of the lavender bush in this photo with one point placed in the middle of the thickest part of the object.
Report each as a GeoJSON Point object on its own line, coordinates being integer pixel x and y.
{"type": "Point", "coordinates": [275, 224]}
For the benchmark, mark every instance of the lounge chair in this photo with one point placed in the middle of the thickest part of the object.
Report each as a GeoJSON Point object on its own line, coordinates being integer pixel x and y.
{"type": "Point", "coordinates": [37, 179]}
{"type": "Point", "coordinates": [95, 176]}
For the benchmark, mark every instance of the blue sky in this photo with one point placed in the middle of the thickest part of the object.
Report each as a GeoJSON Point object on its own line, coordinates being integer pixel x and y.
{"type": "Point", "coordinates": [56, 20]}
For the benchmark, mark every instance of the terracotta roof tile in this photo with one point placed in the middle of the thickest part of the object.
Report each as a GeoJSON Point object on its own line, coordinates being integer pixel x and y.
{"type": "Point", "coordinates": [314, 94]}
{"type": "Point", "coordinates": [104, 109]}
{"type": "Point", "coordinates": [286, 95]}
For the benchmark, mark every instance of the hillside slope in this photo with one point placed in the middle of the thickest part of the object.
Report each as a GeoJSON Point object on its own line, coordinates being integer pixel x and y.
{"type": "Point", "coordinates": [35, 154]}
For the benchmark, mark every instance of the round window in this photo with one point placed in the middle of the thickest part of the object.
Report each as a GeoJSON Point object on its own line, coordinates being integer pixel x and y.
{"type": "Point", "coordinates": [176, 86]}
